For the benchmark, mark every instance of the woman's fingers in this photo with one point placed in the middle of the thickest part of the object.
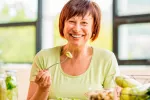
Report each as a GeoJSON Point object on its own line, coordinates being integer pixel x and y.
{"type": "Point", "coordinates": [49, 81]}
{"type": "Point", "coordinates": [46, 82]}
{"type": "Point", "coordinates": [38, 77]}
{"type": "Point", "coordinates": [43, 79]}
{"type": "Point", "coordinates": [39, 74]}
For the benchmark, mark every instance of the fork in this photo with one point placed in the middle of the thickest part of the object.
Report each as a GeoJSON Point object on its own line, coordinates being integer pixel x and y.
{"type": "Point", "coordinates": [68, 55]}
{"type": "Point", "coordinates": [54, 64]}
{"type": "Point", "coordinates": [57, 63]}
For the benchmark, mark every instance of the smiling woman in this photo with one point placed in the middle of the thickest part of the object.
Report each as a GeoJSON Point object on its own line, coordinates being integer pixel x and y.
{"type": "Point", "coordinates": [89, 67]}
{"type": "Point", "coordinates": [105, 38]}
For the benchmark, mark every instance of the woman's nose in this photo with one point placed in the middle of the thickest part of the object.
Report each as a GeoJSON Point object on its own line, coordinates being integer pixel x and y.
{"type": "Point", "coordinates": [77, 28]}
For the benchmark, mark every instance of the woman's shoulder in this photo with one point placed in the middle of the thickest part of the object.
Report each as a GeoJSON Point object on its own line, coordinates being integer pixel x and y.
{"type": "Point", "coordinates": [102, 53]}
{"type": "Point", "coordinates": [49, 51]}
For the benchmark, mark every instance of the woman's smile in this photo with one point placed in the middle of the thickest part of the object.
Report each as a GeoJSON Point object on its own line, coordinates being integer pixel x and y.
{"type": "Point", "coordinates": [76, 35]}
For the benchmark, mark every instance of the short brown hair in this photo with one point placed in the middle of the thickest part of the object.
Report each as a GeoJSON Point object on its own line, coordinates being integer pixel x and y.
{"type": "Point", "coordinates": [81, 8]}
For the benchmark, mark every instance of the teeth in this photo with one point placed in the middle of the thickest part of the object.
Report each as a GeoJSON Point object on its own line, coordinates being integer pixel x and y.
{"type": "Point", "coordinates": [77, 36]}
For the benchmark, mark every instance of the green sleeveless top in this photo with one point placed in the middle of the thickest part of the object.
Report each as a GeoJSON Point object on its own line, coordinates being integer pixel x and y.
{"type": "Point", "coordinates": [100, 74]}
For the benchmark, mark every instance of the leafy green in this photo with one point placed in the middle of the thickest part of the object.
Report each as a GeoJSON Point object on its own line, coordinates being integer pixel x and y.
{"type": "Point", "coordinates": [10, 83]}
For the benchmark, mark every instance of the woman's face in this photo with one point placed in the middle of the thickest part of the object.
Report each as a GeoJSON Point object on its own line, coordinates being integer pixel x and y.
{"type": "Point", "coordinates": [78, 30]}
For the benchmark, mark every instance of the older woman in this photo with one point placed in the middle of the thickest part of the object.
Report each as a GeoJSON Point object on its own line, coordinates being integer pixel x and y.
{"type": "Point", "coordinates": [90, 67]}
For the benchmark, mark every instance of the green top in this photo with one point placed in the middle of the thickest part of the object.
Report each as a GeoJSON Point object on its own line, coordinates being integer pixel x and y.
{"type": "Point", "coordinates": [100, 74]}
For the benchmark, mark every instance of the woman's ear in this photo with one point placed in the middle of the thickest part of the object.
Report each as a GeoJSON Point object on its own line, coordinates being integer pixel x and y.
{"type": "Point", "coordinates": [92, 35]}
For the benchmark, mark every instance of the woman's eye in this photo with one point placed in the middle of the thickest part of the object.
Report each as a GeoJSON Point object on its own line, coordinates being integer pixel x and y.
{"type": "Point", "coordinates": [84, 23]}
{"type": "Point", "coordinates": [70, 21]}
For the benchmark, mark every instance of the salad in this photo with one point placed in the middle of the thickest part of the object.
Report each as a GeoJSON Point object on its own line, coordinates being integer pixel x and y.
{"type": "Point", "coordinates": [65, 99]}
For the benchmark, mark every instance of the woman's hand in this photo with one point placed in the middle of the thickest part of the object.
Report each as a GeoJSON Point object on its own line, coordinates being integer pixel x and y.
{"type": "Point", "coordinates": [43, 80]}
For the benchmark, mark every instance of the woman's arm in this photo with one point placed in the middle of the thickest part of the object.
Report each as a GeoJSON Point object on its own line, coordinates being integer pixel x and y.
{"type": "Point", "coordinates": [39, 90]}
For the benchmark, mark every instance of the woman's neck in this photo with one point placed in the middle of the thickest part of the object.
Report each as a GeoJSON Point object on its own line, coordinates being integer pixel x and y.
{"type": "Point", "coordinates": [77, 51]}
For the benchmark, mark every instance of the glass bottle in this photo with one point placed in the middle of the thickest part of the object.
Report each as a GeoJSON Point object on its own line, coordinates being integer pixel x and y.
{"type": "Point", "coordinates": [2, 87]}
{"type": "Point", "coordinates": [11, 84]}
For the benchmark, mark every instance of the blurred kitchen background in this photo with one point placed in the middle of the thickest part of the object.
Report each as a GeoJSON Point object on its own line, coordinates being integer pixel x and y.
{"type": "Point", "coordinates": [27, 26]}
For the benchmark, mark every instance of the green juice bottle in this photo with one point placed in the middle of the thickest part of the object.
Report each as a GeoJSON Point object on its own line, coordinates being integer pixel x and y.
{"type": "Point", "coordinates": [11, 85]}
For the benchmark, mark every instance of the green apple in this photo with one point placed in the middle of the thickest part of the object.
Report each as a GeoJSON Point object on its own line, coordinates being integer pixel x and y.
{"type": "Point", "coordinates": [126, 81]}
{"type": "Point", "coordinates": [125, 94]}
